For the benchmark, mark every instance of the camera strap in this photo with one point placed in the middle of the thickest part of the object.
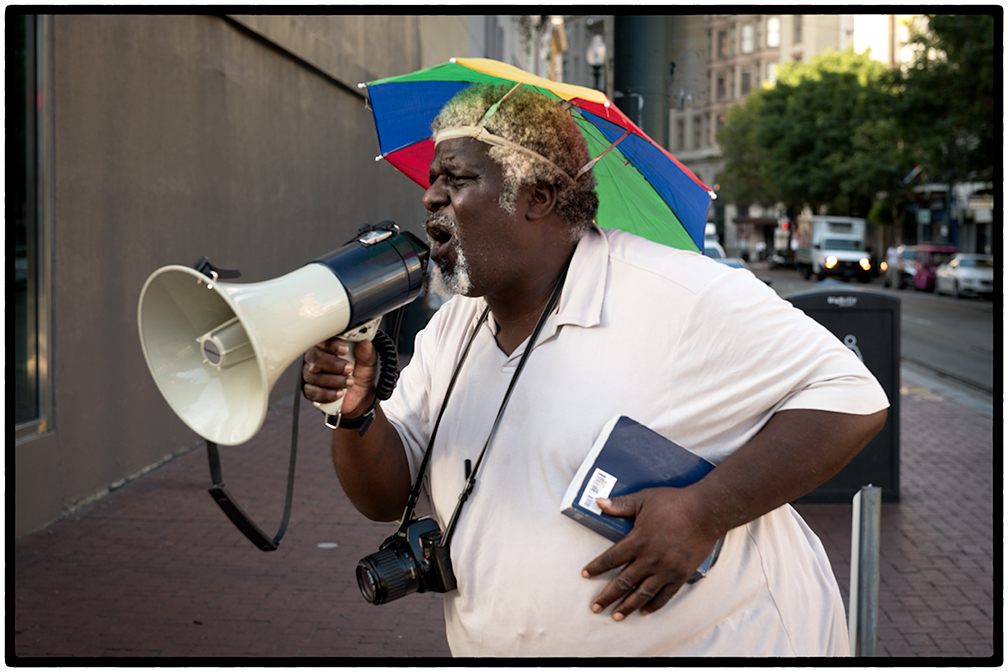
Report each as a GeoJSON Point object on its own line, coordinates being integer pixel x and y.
{"type": "Point", "coordinates": [471, 473]}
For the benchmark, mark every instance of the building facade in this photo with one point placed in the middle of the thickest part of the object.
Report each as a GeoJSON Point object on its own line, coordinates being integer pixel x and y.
{"type": "Point", "coordinates": [150, 140]}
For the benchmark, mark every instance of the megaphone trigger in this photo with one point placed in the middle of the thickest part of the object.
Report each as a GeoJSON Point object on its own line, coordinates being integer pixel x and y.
{"type": "Point", "coordinates": [364, 332]}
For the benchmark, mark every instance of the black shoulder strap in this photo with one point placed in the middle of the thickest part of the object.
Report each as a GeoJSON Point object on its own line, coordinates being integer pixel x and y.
{"type": "Point", "coordinates": [230, 506]}
{"type": "Point", "coordinates": [226, 500]}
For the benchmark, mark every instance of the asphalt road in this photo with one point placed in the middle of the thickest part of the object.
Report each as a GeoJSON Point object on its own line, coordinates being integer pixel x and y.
{"type": "Point", "coordinates": [950, 339]}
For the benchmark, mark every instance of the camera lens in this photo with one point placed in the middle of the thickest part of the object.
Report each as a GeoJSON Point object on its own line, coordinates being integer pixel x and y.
{"type": "Point", "coordinates": [387, 575]}
{"type": "Point", "coordinates": [368, 583]}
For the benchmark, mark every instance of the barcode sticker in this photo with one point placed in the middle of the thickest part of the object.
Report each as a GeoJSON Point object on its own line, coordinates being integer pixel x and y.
{"type": "Point", "coordinates": [600, 485]}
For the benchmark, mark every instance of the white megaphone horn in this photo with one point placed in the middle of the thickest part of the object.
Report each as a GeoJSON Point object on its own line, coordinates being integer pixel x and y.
{"type": "Point", "coordinates": [215, 349]}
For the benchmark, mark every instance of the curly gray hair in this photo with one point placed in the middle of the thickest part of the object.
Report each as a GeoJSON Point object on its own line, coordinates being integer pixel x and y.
{"type": "Point", "coordinates": [538, 123]}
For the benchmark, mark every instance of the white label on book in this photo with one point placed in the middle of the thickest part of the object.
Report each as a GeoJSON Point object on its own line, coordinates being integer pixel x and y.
{"type": "Point", "coordinates": [600, 485]}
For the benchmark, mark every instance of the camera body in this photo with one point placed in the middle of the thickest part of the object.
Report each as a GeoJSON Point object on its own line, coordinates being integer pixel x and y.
{"type": "Point", "coordinates": [410, 561]}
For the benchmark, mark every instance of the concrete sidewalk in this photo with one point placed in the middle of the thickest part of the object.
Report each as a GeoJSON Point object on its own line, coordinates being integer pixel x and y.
{"type": "Point", "coordinates": [154, 569]}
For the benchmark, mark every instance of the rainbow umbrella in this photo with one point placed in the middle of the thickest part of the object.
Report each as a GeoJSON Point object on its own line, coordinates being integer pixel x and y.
{"type": "Point", "coordinates": [642, 188]}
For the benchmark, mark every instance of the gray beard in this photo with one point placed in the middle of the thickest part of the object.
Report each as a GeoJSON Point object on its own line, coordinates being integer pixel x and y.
{"type": "Point", "coordinates": [440, 280]}
{"type": "Point", "coordinates": [451, 282]}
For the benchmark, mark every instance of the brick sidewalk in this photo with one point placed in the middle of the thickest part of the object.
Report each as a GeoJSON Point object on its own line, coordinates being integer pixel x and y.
{"type": "Point", "coordinates": [154, 569]}
{"type": "Point", "coordinates": [936, 591]}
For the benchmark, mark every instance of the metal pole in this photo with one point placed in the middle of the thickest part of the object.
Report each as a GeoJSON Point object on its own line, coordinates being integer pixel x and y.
{"type": "Point", "coordinates": [641, 56]}
{"type": "Point", "coordinates": [862, 619]}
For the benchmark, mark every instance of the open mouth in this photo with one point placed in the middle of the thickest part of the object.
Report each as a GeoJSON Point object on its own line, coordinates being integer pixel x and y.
{"type": "Point", "coordinates": [440, 230]}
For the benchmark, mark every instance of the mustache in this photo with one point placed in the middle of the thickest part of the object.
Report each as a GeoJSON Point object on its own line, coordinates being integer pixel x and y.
{"type": "Point", "coordinates": [441, 220]}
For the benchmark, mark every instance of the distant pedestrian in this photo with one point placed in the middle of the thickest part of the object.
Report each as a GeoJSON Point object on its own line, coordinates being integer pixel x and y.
{"type": "Point", "coordinates": [892, 266]}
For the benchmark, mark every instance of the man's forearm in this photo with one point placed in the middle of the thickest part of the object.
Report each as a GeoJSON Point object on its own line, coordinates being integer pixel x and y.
{"type": "Point", "coordinates": [797, 451]}
{"type": "Point", "coordinates": [373, 469]}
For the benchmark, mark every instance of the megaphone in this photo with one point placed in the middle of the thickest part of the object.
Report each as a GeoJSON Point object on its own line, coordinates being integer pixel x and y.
{"type": "Point", "coordinates": [215, 349]}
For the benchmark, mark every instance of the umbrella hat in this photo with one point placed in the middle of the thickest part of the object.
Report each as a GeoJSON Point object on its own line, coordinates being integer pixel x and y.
{"type": "Point", "coordinates": [641, 188]}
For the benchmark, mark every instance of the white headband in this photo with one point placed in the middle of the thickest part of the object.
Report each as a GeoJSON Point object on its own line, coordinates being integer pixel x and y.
{"type": "Point", "coordinates": [483, 135]}
{"type": "Point", "coordinates": [479, 132]}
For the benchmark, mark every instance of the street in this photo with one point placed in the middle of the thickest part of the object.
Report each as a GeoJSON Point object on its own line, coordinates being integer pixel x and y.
{"type": "Point", "coordinates": [952, 339]}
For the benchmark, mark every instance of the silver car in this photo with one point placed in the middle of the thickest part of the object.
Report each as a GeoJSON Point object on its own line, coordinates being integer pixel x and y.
{"type": "Point", "coordinates": [966, 274]}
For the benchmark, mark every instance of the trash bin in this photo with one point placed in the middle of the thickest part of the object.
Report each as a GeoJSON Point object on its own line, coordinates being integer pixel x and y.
{"type": "Point", "coordinates": [868, 323]}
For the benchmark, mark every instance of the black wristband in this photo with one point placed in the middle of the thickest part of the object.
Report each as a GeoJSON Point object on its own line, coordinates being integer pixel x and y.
{"type": "Point", "coordinates": [361, 422]}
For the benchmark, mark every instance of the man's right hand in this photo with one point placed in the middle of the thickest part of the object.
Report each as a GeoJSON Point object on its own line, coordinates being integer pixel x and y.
{"type": "Point", "coordinates": [373, 468]}
{"type": "Point", "coordinates": [329, 377]}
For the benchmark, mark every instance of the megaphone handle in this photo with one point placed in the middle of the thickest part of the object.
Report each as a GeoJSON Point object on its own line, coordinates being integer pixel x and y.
{"type": "Point", "coordinates": [367, 332]}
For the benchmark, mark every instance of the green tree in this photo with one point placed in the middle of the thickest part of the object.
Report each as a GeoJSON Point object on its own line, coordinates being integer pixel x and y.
{"type": "Point", "coordinates": [877, 170]}
{"type": "Point", "coordinates": [947, 96]}
{"type": "Point", "coordinates": [744, 180]}
{"type": "Point", "coordinates": [808, 123]}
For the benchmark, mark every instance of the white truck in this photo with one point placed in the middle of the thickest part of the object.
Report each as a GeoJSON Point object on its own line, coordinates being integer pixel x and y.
{"type": "Point", "coordinates": [834, 246]}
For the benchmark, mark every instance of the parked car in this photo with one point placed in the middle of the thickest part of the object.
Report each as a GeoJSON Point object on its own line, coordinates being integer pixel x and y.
{"type": "Point", "coordinates": [906, 266]}
{"type": "Point", "coordinates": [782, 259]}
{"type": "Point", "coordinates": [966, 274]}
{"type": "Point", "coordinates": [735, 262]}
{"type": "Point", "coordinates": [927, 259]}
{"type": "Point", "coordinates": [713, 249]}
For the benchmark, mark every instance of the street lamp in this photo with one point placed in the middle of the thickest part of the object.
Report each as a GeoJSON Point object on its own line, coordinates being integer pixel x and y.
{"type": "Point", "coordinates": [595, 56]}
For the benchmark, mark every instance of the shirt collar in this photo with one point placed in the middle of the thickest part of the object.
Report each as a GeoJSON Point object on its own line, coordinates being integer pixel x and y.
{"type": "Point", "coordinates": [581, 300]}
{"type": "Point", "coordinates": [583, 291]}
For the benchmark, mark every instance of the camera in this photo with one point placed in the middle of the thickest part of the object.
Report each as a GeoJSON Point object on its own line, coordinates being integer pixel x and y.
{"type": "Point", "coordinates": [410, 561]}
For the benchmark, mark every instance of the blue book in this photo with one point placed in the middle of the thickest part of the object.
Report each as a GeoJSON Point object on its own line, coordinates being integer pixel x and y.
{"type": "Point", "coordinates": [627, 457]}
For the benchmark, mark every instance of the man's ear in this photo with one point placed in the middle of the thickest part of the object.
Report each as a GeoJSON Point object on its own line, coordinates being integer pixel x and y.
{"type": "Point", "coordinates": [542, 200]}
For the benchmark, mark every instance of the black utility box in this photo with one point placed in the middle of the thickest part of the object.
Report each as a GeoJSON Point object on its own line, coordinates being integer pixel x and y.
{"type": "Point", "coordinates": [869, 324]}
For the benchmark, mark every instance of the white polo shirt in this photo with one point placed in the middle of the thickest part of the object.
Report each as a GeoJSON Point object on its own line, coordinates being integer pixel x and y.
{"type": "Point", "coordinates": [699, 352]}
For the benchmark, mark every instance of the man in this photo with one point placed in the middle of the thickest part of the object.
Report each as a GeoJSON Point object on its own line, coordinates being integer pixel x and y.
{"type": "Point", "coordinates": [893, 259]}
{"type": "Point", "coordinates": [703, 354]}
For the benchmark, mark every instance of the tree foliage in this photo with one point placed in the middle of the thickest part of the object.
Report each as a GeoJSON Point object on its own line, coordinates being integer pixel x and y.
{"type": "Point", "coordinates": [813, 117]}
{"type": "Point", "coordinates": [947, 97]}
{"type": "Point", "coordinates": [744, 180]}
{"type": "Point", "coordinates": [842, 132]}
{"type": "Point", "coordinates": [794, 143]}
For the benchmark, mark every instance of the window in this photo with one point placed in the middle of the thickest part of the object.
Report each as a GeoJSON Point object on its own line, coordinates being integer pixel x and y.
{"type": "Point", "coordinates": [746, 81]}
{"type": "Point", "coordinates": [773, 31]}
{"type": "Point", "coordinates": [797, 29]}
{"type": "Point", "coordinates": [748, 38]}
{"type": "Point", "coordinates": [697, 132]}
{"type": "Point", "coordinates": [25, 219]}
{"type": "Point", "coordinates": [722, 86]}
{"type": "Point", "coordinates": [771, 71]}
{"type": "Point", "coordinates": [706, 130]}
{"type": "Point", "coordinates": [681, 134]}
{"type": "Point", "coordinates": [722, 44]}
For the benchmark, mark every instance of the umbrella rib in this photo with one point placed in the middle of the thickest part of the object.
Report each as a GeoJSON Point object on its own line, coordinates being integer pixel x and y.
{"type": "Point", "coordinates": [588, 166]}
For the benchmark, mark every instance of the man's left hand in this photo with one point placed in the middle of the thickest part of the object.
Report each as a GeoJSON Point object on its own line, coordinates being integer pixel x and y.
{"type": "Point", "coordinates": [661, 552]}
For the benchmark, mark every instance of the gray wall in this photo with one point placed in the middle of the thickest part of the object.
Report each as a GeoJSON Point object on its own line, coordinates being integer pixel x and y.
{"type": "Point", "coordinates": [244, 139]}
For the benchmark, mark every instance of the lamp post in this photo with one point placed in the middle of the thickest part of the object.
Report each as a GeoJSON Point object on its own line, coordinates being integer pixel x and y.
{"type": "Point", "coordinates": [595, 56]}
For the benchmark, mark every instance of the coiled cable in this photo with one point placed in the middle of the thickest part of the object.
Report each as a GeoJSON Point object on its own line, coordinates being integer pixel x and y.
{"type": "Point", "coordinates": [389, 356]}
